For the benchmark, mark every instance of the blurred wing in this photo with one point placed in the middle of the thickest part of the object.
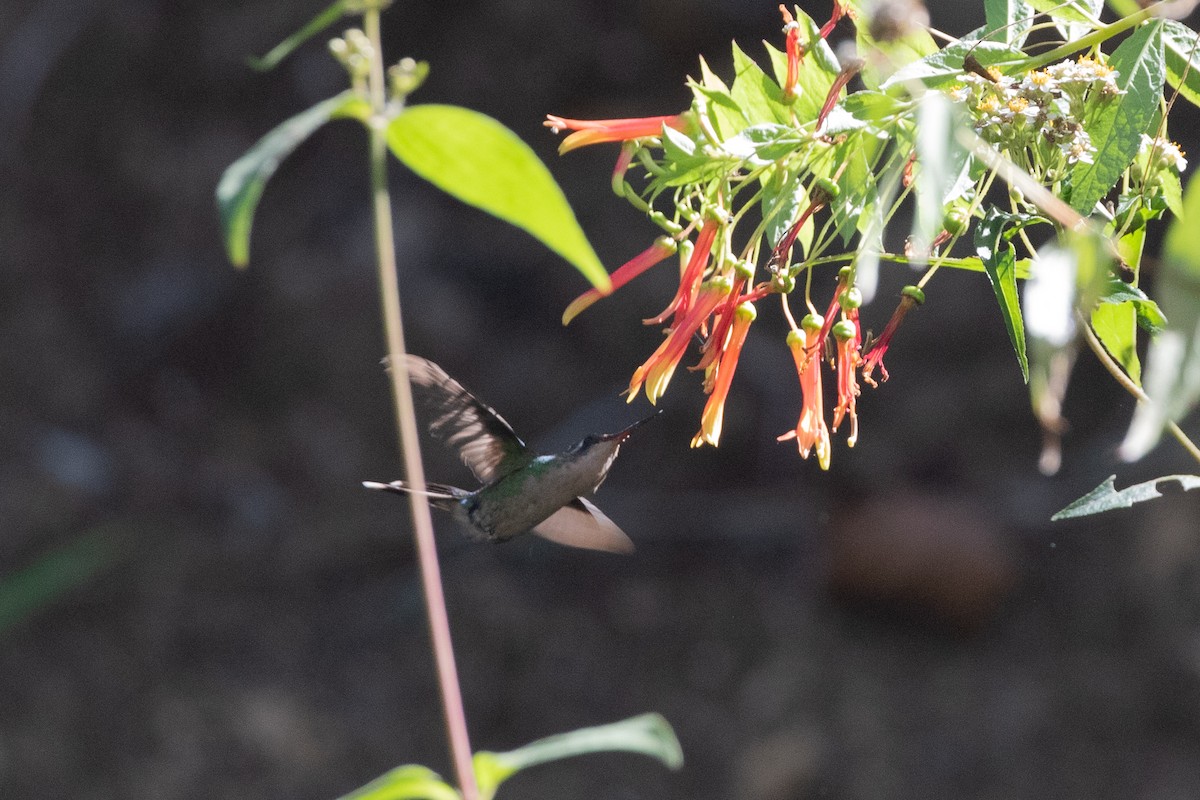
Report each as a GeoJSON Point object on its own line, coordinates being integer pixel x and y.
{"type": "Point", "coordinates": [581, 524]}
{"type": "Point", "coordinates": [484, 441]}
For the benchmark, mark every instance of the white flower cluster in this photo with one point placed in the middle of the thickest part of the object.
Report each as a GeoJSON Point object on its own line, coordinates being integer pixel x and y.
{"type": "Point", "coordinates": [1165, 153]}
{"type": "Point", "coordinates": [1044, 107]}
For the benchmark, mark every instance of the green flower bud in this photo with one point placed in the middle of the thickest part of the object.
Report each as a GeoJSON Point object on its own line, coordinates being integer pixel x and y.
{"type": "Point", "coordinates": [845, 329]}
{"type": "Point", "coordinates": [812, 322]}
{"type": "Point", "coordinates": [913, 292]}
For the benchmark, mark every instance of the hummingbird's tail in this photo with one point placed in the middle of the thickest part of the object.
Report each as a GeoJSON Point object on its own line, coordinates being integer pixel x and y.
{"type": "Point", "coordinates": [439, 494]}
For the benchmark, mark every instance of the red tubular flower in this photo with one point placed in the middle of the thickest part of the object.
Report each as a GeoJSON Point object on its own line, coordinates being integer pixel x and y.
{"type": "Point", "coordinates": [689, 283]}
{"type": "Point", "coordinates": [795, 52]}
{"type": "Point", "coordinates": [810, 431]}
{"type": "Point", "coordinates": [656, 372]}
{"type": "Point", "coordinates": [849, 70]}
{"type": "Point", "coordinates": [848, 360]}
{"type": "Point", "coordinates": [595, 131]}
{"type": "Point", "coordinates": [911, 297]}
{"type": "Point", "coordinates": [834, 304]}
{"type": "Point", "coordinates": [662, 247]}
{"type": "Point", "coordinates": [839, 11]}
{"type": "Point", "coordinates": [714, 409]}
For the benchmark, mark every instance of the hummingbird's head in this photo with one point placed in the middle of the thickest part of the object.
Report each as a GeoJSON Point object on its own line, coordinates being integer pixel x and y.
{"type": "Point", "coordinates": [595, 453]}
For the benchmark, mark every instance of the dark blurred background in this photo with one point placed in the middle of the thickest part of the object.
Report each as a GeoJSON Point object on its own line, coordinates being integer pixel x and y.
{"type": "Point", "coordinates": [203, 603]}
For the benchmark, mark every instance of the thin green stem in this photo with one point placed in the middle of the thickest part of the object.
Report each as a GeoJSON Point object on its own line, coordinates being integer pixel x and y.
{"type": "Point", "coordinates": [414, 471]}
{"type": "Point", "coordinates": [1128, 385]}
{"type": "Point", "coordinates": [1101, 34]}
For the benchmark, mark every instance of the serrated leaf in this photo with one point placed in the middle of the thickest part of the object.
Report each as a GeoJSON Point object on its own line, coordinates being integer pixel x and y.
{"type": "Point", "coordinates": [1117, 128]}
{"type": "Point", "coordinates": [1007, 20]}
{"type": "Point", "coordinates": [479, 161]}
{"type": "Point", "coordinates": [999, 261]}
{"type": "Point", "coordinates": [757, 95]}
{"type": "Point", "coordinates": [1105, 497]}
{"type": "Point", "coordinates": [648, 734]}
{"type": "Point", "coordinates": [1147, 313]}
{"type": "Point", "coordinates": [1172, 191]}
{"type": "Point", "coordinates": [320, 22]}
{"type": "Point", "coordinates": [411, 782]}
{"type": "Point", "coordinates": [241, 186]}
{"type": "Point", "coordinates": [1172, 377]}
{"type": "Point", "coordinates": [1182, 59]}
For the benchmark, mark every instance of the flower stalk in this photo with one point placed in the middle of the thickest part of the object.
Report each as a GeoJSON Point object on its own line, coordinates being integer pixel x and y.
{"type": "Point", "coordinates": [414, 471]}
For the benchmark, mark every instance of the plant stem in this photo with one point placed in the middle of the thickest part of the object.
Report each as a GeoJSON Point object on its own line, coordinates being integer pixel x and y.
{"type": "Point", "coordinates": [1127, 383]}
{"type": "Point", "coordinates": [414, 470]}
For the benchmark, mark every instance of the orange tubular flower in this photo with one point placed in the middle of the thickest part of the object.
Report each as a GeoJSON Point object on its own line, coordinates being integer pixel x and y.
{"type": "Point", "coordinates": [596, 131]}
{"type": "Point", "coordinates": [656, 372]}
{"type": "Point", "coordinates": [663, 246]}
{"type": "Point", "coordinates": [911, 297]}
{"type": "Point", "coordinates": [849, 70]}
{"type": "Point", "coordinates": [810, 431]}
{"type": "Point", "coordinates": [714, 409]}
{"type": "Point", "coordinates": [848, 360]}
{"type": "Point", "coordinates": [689, 284]}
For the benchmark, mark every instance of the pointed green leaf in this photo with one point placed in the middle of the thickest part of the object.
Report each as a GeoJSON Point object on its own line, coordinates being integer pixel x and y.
{"type": "Point", "coordinates": [317, 24]}
{"type": "Point", "coordinates": [999, 261]}
{"type": "Point", "coordinates": [1183, 59]}
{"type": "Point", "coordinates": [242, 184]}
{"type": "Point", "coordinates": [1008, 20]}
{"type": "Point", "coordinates": [474, 158]}
{"type": "Point", "coordinates": [1173, 359]}
{"type": "Point", "coordinates": [759, 97]}
{"type": "Point", "coordinates": [1117, 128]}
{"type": "Point", "coordinates": [647, 734]}
{"type": "Point", "coordinates": [725, 114]}
{"type": "Point", "coordinates": [410, 782]}
{"type": "Point", "coordinates": [1105, 497]}
{"type": "Point", "coordinates": [54, 574]}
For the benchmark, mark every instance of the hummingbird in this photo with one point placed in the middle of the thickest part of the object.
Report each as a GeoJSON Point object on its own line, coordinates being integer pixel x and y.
{"type": "Point", "coordinates": [520, 491]}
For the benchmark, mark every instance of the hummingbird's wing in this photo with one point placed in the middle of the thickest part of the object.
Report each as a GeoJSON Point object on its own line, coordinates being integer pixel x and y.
{"type": "Point", "coordinates": [484, 441]}
{"type": "Point", "coordinates": [580, 524]}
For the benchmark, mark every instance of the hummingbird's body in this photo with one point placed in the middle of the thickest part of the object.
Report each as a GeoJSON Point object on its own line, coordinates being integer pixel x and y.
{"type": "Point", "coordinates": [521, 492]}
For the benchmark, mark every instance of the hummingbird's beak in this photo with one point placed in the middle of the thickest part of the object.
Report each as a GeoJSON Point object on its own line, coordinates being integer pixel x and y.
{"type": "Point", "coordinates": [623, 434]}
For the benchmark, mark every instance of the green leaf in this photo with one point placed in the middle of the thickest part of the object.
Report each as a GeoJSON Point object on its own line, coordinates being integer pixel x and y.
{"type": "Point", "coordinates": [999, 261]}
{"type": "Point", "coordinates": [648, 735]}
{"type": "Point", "coordinates": [1172, 191]}
{"type": "Point", "coordinates": [759, 97]}
{"type": "Point", "coordinates": [725, 114]}
{"type": "Point", "coordinates": [943, 165]}
{"type": "Point", "coordinates": [945, 67]}
{"type": "Point", "coordinates": [783, 205]}
{"type": "Point", "coordinates": [317, 24]}
{"type": "Point", "coordinates": [1183, 59]}
{"type": "Point", "coordinates": [242, 184]}
{"type": "Point", "coordinates": [1068, 11]}
{"type": "Point", "coordinates": [1116, 325]}
{"type": "Point", "coordinates": [1105, 497]}
{"type": "Point", "coordinates": [1172, 377]}
{"type": "Point", "coordinates": [883, 59]}
{"type": "Point", "coordinates": [27, 590]}
{"type": "Point", "coordinates": [1008, 20]}
{"type": "Point", "coordinates": [474, 158]}
{"type": "Point", "coordinates": [411, 782]}
{"type": "Point", "coordinates": [1117, 128]}
{"type": "Point", "coordinates": [857, 188]}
